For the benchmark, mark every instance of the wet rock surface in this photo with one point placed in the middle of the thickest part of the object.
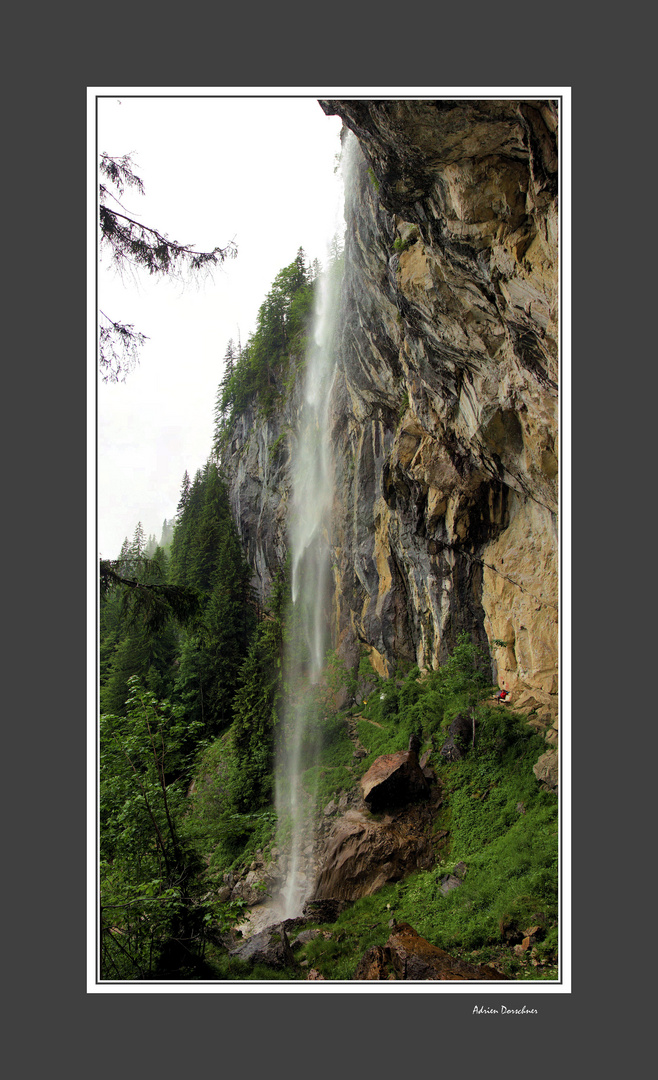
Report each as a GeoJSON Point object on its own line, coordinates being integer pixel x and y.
{"type": "Point", "coordinates": [445, 436]}
{"type": "Point", "coordinates": [445, 407]}
{"type": "Point", "coordinates": [445, 401]}
{"type": "Point", "coordinates": [270, 947]}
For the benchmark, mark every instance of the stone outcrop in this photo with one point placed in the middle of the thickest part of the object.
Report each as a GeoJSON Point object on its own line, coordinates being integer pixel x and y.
{"type": "Point", "coordinates": [409, 956]}
{"type": "Point", "coordinates": [258, 460]}
{"type": "Point", "coordinates": [270, 947]}
{"type": "Point", "coordinates": [445, 406]}
{"type": "Point", "coordinates": [374, 964]}
{"type": "Point", "coordinates": [362, 854]}
{"type": "Point", "coordinates": [395, 780]}
{"type": "Point", "coordinates": [254, 883]}
{"type": "Point", "coordinates": [546, 770]}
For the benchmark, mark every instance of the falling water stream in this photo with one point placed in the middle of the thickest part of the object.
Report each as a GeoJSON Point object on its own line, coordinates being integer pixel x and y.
{"type": "Point", "coordinates": [310, 528]}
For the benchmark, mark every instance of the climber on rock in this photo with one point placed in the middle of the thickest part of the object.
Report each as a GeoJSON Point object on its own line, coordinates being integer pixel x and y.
{"type": "Point", "coordinates": [502, 695]}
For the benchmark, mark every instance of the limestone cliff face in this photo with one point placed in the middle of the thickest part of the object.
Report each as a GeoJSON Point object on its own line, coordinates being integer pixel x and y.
{"type": "Point", "coordinates": [445, 405]}
{"type": "Point", "coordinates": [257, 460]}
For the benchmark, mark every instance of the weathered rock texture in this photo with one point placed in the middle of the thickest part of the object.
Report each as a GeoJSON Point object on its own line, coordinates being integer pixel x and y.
{"type": "Point", "coordinates": [445, 406]}
{"type": "Point", "coordinates": [270, 947]}
{"type": "Point", "coordinates": [258, 464]}
{"type": "Point", "coordinates": [363, 853]}
{"type": "Point", "coordinates": [394, 780]}
{"type": "Point", "coordinates": [409, 956]}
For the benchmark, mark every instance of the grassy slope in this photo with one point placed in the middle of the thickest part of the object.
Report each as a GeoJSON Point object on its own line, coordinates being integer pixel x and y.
{"type": "Point", "coordinates": [498, 822]}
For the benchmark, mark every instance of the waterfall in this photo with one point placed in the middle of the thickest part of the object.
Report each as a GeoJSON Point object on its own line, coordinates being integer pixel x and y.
{"type": "Point", "coordinates": [308, 634]}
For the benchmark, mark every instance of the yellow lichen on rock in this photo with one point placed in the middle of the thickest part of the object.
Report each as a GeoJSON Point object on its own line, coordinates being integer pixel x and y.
{"type": "Point", "coordinates": [520, 599]}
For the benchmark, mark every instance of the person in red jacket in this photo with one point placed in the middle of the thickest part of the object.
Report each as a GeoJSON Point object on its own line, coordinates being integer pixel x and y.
{"type": "Point", "coordinates": [502, 695]}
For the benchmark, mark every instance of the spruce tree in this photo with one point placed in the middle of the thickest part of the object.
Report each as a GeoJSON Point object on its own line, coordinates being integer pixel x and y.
{"type": "Point", "coordinates": [131, 244]}
{"type": "Point", "coordinates": [256, 708]}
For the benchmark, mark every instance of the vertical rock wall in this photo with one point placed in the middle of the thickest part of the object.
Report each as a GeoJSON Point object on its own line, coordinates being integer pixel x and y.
{"type": "Point", "coordinates": [445, 407]}
{"type": "Point", "coordinates": [446, 412]}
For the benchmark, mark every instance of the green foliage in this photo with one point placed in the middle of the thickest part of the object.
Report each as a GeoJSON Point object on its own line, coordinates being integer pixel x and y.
{"type": "Point", "coordinates": [261, 374]}
{"type": "Point", "coordinates": [373, 180]}
{"type": "Point", "coordinates": [333, 771]}
{"type": "Point", "coordinates": [511, 876]}
{"type": "Point", "coordinates": [501, 825]}
{"type": "Point", "coordinates": [277, 446]}
{"type": "Point", "coordinates": [423, 704]}
{"type": "Point", "coordinates": [338, 677]}
{"type": "Point", "coordinates": [207, 556]}
{"type": "Point", "coordinates": [167, 688]}
{"type": "Point", "coordinates": [257, 375]}
{"type": "Point", "coordinates": [137, 624]}
{"type": "Point", "coordinates": [153, 921]}
{"type": "Point", "coordinates": [213, 825]}
{"type": "Point", "coordinates": [256, 709]}
{"type": "Point", "coordinates": [403, 243]}
{"type": "Point", "coordinates": [499, 822]}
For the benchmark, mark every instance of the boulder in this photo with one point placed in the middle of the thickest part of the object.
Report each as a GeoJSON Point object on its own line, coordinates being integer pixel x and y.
{"type": "Point", "coordinates": [255, 888]}
{"type": "Point", "coordinates": [412, 957]}
{"type": "Point", "coordinates": [546, 770]}
{"type": "Point", "coordinates": [361, 855]}
{"type": "Point", "coordinates": [427, 770]}
{"type": "Point", "coordinates": [552, 736]}
{"type": "Point", "coordinates": [395, 779]}
{"type": "Point", "coordinates": [304, 938]}
{"type": "Point", "coordinates": [531, 935]}
{"type": "Point", "coordinates": [515, 933]}
{"type": "Point", "coordinates": [460, 738]}
{"type": "Point", "coordinates": [449, 882]}
{"type": "Point", "coordinates": [323, 909]}
{"type": "Point", "coordinates": [270, 947]}
{"type": "Point", "coordinates": [374, 964]}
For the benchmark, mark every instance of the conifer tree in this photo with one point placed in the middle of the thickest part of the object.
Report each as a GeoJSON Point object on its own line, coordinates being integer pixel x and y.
{"type": "Point", "coordinates": [131, 244]}
{"type": "Point", "coordinates": [225, 394]}
{"type": "Point", "coordinates": [210, 557]}
{"type": "Point", "coordinates": [256, 707]}
{"type": "Point", "coordinates": [184, 495]}
{"type": "Point", "coordinates": [142, 647]}
{"type": "Point", "coordinates": [138, 544]}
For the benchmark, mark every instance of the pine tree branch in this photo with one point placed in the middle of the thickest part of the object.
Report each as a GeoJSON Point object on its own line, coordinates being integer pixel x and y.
{"type": "Point", "coordinates": [145, 246]}
{"type": "Point", "coordinates": [156, 601]}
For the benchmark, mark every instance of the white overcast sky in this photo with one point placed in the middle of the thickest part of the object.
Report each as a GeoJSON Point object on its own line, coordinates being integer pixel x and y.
{"type": "Point", "coordinates": [259, 170]}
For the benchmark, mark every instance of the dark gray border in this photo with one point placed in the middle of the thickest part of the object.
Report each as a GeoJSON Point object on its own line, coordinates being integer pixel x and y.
{"type": "Point", "coordinates": [53, 1017]}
